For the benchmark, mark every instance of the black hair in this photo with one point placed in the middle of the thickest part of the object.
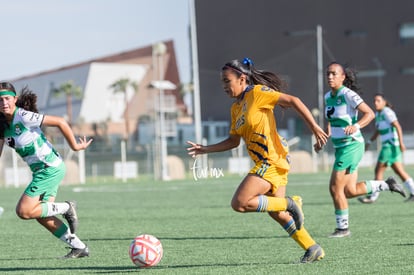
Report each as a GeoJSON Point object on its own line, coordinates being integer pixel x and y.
{"type": "Point", "coordinates": [27, 100]}
{"type": "Point", "coordinates": [350, 77]}
{"type": "Point", "coordinates": [387, 102]}
{"type": "Point", "coordinates": [254, 76]}
{"type": "Point", "coordinates": [4, 85]}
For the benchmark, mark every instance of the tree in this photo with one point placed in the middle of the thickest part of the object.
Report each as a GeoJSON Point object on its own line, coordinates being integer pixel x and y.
{"type": "Point", "coordinates": [69, 89]}
{"type": "Point", "coordinates": [121, 86]}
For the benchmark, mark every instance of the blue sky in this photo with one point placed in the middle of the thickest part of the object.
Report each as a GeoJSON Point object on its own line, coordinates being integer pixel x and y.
{"type": "Point", "coordinates": [47, 34]}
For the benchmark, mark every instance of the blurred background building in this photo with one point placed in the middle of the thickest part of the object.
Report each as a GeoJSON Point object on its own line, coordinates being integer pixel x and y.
{"type": "Point", "coordinates": [376, 37]}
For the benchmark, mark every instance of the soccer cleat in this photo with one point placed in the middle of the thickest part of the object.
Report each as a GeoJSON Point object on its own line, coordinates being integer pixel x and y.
{"type": "Point", "coordinates": [366, 200]}
{"type": "Point", "coordinates": [410, 198]}
{"type": "Point", "coordinates": [340, 233]}
{"type": "Point", "coordinates": [394, 186]}
{"type": "Point", "coordinates": [71, 216]}
{"type": "Point", "coordinates": [294, 207]}
{"type": "Point", "coordinates": [313, 254]}
{"type": "Point", "coordinates": [77, 253]}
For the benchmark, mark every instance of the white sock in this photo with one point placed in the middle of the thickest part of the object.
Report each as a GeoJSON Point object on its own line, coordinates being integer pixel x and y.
{"type": "Point", "coordinates": [378, 185]}
{"type": "Point", "coordinates": [342, 220]}
{"type": "Point", "coordinates": [374, 196]}
{"type": "Point", "coordinates": [72, 240]}
{"type": "Point", "coordinates": [54, 208]}
{"type": "Point", "coordinates": [409, 183]}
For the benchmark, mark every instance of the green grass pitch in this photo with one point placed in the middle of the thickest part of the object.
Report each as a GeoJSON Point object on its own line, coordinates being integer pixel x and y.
{"type": "Point", "coordinates": [201, 234]}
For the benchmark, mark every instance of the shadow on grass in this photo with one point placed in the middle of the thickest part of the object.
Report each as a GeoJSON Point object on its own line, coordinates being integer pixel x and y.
{"type": "Point", "coordinates": [124, 269]}
{"type": "Point", "coordinates": [89, 269]}
{"type": "Point", "coordinates": [405, 244]}
{"type": "Point", "coordinates": [196, 238]}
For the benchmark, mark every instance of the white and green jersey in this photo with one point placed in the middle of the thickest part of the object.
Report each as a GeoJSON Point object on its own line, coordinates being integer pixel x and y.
{"type": "Point", "coordinates": [383, 123]}
{"type": "Point", "coordinates": [341, 111]}
{"type": "Point", "coordinates": [26, 137]}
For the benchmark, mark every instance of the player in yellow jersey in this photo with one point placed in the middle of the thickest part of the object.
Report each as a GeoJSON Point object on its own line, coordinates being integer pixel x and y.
{"type": "Point", "coordinates": [264, 188]}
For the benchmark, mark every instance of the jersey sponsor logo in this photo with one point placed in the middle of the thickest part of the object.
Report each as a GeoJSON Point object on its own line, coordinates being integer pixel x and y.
{"type": "Point", "coordinates": [330, 110]}
{"type": "Point", "coordinates": [266, 89]}
{"type": "Point", "coordinates": [356, 98]}
{"type": "Point", "coordinates": [240, 122]}
{"type": "Point", "coordinates": [244, 107]}
{"type": "Point", "coordinates": [34, 117]}
{"type": "Point", "coordinates": [10, 142]}
{"type": "Point", "coordinates": [288, 159]}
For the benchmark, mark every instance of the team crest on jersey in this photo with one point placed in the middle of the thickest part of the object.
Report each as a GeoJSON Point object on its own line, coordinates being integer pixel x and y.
{"type": "Point", "coordinates": [338, 101]}
{"type": "Point", "coordinates": [17, 130]}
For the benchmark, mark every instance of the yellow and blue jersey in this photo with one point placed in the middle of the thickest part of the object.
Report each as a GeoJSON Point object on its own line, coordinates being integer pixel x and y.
{"type": "Point", "coordinates": [253, 119]}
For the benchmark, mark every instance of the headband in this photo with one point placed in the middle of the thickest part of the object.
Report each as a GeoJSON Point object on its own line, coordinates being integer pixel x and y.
{"type": "Point", "coordinates": [7, 92]}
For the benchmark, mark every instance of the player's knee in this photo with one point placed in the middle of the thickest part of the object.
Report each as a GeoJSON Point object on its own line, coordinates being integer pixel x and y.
{"type": "Point", "coordinates": [22, 213]}
{"type": "Point", "coordinates": [238, 206]}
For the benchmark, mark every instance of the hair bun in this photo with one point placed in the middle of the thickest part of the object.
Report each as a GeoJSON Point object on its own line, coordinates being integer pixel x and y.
{"type": "Point", "coordinates": [247, 61]}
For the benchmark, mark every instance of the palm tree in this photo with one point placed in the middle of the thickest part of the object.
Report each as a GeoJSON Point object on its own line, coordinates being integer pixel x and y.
{"type": "Point", "coordinates": [121, 86]}
{"type": "Point", "coordinates": [69, 89]}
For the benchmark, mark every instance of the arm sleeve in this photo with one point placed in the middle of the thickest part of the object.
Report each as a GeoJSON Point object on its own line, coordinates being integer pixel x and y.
{"type": "Point", "coordinates": [31, 119]}
{"type": "Point", "coordinates": [266, 97]}
{"type": "Point", "coordinates": [390, 115]}
{"type": "Point", "coordinates": [353, 98]}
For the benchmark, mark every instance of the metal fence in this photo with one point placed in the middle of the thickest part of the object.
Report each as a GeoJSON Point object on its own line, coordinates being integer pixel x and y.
{"type": "Point", "coordinates": [105, 165]}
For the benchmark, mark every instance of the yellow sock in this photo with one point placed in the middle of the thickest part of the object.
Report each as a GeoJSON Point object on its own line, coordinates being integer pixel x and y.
{"type": "Point", "coordinates": [271, 204]}
{"type": "Point", "coordinates": [303, 238]}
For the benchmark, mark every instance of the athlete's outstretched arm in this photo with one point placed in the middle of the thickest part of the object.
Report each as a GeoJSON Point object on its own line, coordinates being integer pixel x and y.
{"type": "Point", "coordinates": [67, 132]}
{"type": "Point", "coordinates": [286, 100]}
{"type": "Point", "coordinates": [197, 149]}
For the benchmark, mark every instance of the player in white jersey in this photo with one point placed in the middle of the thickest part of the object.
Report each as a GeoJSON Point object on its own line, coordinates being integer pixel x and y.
{"type": "Point", "coordinates": [342, 105]}
{"type": "Point", "coordinates": [390, 131]}
{"type": "Point", "coordinates": [20, 125]}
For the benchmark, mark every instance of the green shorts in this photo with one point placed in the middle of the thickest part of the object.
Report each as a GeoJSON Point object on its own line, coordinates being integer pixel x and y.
{"type": "Point", "coordinates": [348, 157]}
{"type": "Point", "coordinates": [390, 154]}
{"type": "Point", "coordinates": [45, 182]}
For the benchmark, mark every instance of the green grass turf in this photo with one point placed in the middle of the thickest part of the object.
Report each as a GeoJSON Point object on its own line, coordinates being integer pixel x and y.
{"type": "Point", "coordinates": [201, 234]}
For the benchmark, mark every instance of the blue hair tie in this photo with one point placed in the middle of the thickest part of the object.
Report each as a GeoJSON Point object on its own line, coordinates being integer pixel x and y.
{"type": "Point", "coordinates": [247, 61]}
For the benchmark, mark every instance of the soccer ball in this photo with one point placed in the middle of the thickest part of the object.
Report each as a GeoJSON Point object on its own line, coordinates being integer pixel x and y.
{"type": "Point", "coordinates": [145, 250]}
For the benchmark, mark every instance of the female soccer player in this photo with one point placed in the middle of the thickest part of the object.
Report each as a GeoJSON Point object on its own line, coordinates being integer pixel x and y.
{"type": "Point", "coordinates": [388, 127]}
{"type": "Point", "coordinates": [20, 125]}
{"type": "Point", "coordinates": [255, 95]}
{"type": "Point", "coordinates": [342, 105]}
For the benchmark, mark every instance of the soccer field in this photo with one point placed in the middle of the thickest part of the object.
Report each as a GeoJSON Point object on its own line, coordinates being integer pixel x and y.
{"type": "Point", "coordinates": [201, 234]}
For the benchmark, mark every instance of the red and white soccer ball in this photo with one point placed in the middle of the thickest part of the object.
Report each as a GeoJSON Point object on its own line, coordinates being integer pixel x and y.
{"type": "Point", "coordinates": [145, 250]}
